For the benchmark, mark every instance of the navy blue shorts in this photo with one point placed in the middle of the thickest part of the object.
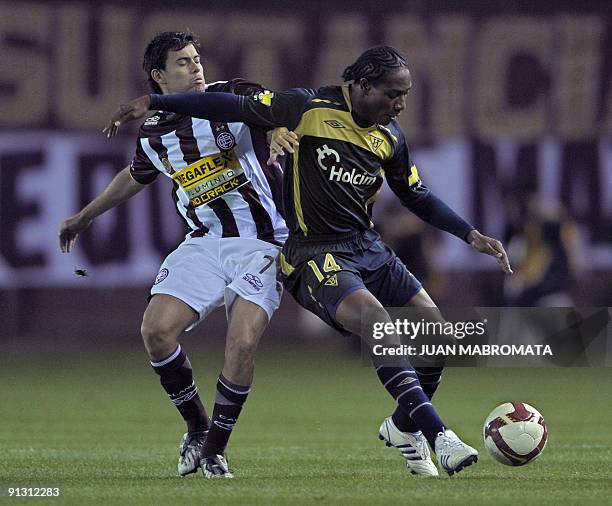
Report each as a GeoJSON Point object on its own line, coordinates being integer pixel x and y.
{"type": "Point", "coordinates": [320, 275]}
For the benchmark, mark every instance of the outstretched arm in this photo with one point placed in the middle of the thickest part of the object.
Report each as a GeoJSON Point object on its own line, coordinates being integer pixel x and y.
{"type": "Point", "coordinates": [267, 109]}
{"type": "Point", "coordinates": [120, 189]}
{"type": "Point", "coordinates": [213, 106]}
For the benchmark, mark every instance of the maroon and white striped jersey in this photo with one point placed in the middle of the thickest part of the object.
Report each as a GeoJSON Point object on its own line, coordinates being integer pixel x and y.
{"type": "Point", "coordinates": [222, 185]}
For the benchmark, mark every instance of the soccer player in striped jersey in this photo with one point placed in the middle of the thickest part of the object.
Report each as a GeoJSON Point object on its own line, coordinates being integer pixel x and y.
{"type": "Point", "coordinates": [334, 263]}
{"type": "Point", "coordinates": [230, 200]}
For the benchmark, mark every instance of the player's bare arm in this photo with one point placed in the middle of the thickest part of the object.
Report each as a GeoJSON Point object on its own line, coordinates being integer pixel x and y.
{"type": "Point", "coordinates": [490, 246]}
{"type": "Point", "coordinates": [120, 189]}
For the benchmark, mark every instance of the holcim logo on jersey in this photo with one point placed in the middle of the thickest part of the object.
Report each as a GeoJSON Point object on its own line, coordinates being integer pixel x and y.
{"type": "Point", "coordinates": [339, 173]}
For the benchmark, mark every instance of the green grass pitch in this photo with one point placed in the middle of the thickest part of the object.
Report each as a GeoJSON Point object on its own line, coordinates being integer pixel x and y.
{"type": "Point", "coordinates": [100, 427]}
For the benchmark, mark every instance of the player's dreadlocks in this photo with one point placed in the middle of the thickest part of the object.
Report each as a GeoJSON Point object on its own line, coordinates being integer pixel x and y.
{"type": "Point", "coordinates": [374, 64]}
{"type": "Point", "coordinates": [157, 52]}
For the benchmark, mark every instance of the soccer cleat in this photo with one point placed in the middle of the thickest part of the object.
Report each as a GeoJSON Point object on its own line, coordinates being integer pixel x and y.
{"type": "Point", "coordinates": [413, 448]}
{"type": "Point", "coordinates": [189, 452]}
{"type": "Point", "coordinates": [453, 454]}
{"type": "Point", "coordinates": [215, 466]}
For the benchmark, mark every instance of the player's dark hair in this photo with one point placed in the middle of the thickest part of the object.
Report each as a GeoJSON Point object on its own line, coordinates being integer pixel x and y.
{"type": "Point", "coordinates": [157, 52]}
{"type": "Point", "coordinates": [374, 64]}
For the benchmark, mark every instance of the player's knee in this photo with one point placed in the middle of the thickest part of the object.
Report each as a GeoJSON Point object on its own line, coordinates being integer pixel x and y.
{"type": "Point", "coordinates": [158, 337]}
{"type": "Point", "coordinates": [243, 349]}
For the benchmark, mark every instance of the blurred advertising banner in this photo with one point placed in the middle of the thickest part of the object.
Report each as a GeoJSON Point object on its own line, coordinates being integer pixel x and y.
{"type": "Point", "coordinates": [48, 176]}
{"type": "Point", "coordinates": [508, 101]}
{"type": "Point", "coordinates": [486, 70]}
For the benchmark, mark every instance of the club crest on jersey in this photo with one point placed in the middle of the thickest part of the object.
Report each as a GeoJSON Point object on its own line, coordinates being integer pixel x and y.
{"type": "Point", "coordinates": [265, 97]}
{"type": "Point", "coordinates": [161, 275]}
{"type": "Point", "coordinates": [376, 142]}
{"type": "Point", "coordinates": [224, 139]}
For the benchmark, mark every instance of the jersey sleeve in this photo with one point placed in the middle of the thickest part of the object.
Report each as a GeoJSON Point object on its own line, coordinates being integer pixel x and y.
{"type": "Point", "coordinates": [403, 178]}
{"type": "Point", "coordinates": [267, 108]}
{"type": "Point", "coordinates": [141, 168]}
{"type": "Point", "coordinates": [237, 86]}
{"type": "Point", "coordinates": [276, 109]}
{"type": "Point", "coordinates": [402, 175]}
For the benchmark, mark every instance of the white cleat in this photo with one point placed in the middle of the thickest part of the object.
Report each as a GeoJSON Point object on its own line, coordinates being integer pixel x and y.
{"type": "Point", "coordinates": [216, 466]}
{"type": "Point", "coordinates": [189, 452]}
{"type": "Point", "coordinates": [453, 454]}
{"type": "Point", "coordinates": [413, 448]}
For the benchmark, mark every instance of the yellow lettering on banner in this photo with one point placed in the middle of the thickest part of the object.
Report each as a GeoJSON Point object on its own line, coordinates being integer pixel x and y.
{"type": "Point", "coordinates": [447, 67]}
{"type": "Point", "coordinates": [343, 43]}
{"type": "Point", "coordinates": [24, 67]}
{"type": "Point", "coordinates": [264, 40]}
{"type": "Point", "coordinates": [77, 104]}
{"type": "Point", "coordinates": [209, 27]}
{"type": "Point", "coordinates": [577, 75]}
{"type": "Point", "coordinates": [409, 34]}
{"type": "Point", "coordinates": [502, 38]}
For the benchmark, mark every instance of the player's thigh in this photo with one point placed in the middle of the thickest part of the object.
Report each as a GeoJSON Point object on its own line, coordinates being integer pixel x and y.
{"type": "Point", "coordinates": [247, 323]}
{"type": "Point", "coordinates": [252, 267]}
{"type": "Point", "coordinates": [357, 306]}
{"type": "Point", "coordinates": [167, 316]}
{"type": "Point", "coordinates": [193, 274]}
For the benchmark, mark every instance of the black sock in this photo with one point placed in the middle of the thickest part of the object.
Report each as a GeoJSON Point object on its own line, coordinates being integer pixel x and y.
{"type": "Point", "coordinates": [403, 385]}
{"type": "Point", "coordinates": [228, 405]}
{"type": "Point", "coordinates": [176, 377]}
{"type": "Point", "coordinates": [430, 378]}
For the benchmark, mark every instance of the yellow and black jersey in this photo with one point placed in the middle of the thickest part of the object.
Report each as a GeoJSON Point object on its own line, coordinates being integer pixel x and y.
{"type": "Point", "coordinates": [334, 177]}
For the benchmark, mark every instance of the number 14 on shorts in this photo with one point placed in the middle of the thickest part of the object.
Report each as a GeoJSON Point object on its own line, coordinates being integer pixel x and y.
{"type": "Point", "coordinates": [330, 267]}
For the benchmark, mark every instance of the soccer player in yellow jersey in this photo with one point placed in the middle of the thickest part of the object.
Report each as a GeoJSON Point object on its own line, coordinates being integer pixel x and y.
{"type": "Point", "coordinates": [334, 263]}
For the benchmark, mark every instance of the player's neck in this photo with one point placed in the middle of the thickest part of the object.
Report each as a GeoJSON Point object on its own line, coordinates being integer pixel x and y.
{"type": "Point", "coordinates": [355, 103]}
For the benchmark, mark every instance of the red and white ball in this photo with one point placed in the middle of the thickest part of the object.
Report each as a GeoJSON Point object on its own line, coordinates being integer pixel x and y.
{"type": "Point", "coordinates": [515, 433]}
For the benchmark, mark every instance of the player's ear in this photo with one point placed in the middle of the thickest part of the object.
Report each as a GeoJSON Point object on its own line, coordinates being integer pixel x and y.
{"type": "Point", "coordinates": [157, 75]}
{"type": "Point", "coordinates": [365, 85]}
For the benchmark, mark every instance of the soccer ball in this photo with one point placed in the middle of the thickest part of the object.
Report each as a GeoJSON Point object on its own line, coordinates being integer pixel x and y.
{"type": "Point", "coordinates": [515, 433]}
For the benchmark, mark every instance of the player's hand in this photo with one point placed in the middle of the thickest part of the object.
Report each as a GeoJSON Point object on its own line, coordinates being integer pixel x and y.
{"type": "Point", "coordinates": [70, 229]}
{"type": "Point", "coordinates": [130, 111]}
{"type": "Point", "coordinates": [282, 139]}
{"type": "Point", "coordinates": [492, 247]}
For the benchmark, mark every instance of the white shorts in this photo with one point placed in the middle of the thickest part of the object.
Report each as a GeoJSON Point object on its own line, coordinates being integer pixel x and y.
{"type": "Point", "coordinates": [206, 273]}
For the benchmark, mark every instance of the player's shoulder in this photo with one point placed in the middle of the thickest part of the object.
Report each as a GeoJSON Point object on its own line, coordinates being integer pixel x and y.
{"type": "Point", "coordinates": [329, 97]}
{"type": "Point", "coordinates": [237, 85]}
{"type": "Point", "coordinates": [161, 123]}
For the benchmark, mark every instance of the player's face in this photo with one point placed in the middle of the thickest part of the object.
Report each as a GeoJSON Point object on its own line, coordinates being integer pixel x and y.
{"type": "Point", "coordinates": [183, 72]}
{"type": "Point", "coordinates": [385, 101]}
